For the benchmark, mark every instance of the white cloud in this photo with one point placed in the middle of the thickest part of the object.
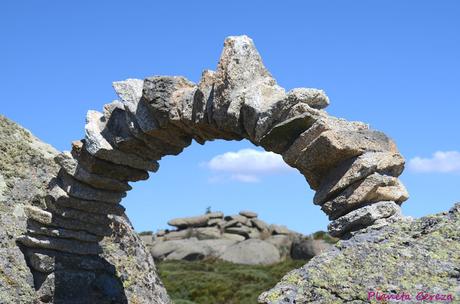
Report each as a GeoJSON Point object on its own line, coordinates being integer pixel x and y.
{"type": "Point", "coordinates": [445, 162]}
{"type": "Point", "coordinates": [248, 165]}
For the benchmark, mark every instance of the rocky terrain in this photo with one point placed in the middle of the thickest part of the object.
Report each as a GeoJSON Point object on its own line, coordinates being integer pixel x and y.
{"type": "Point", "coordinates": [419, 257]}
{"type": "Point", "coordinates": [242, 238]}
{"type": "Point", "coordinates": [124, 270]}
{"type": "Point", "coordinates": [64, 237]}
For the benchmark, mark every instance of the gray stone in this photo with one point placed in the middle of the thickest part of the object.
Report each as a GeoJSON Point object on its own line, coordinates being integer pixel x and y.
{"type": "Point", "coordinates": [233, 237]}
{"type": "Point", "coordinates": [248, 214]}
{"type": "Point", "coordinates": [374, 188]}
{"type": "Point", "coordinates": [282, 242]}
{"type": "Point", "coordinates": [185, 222]}
{"type": "Point", "coordinates": [362, 217]}
{"type": "Point", "coordinates": [284, 134]}
{"type": "Point", "coordinates": [98, 146]}
{"type": "Point", "coordinates": [70, 165]}
{"type": "Point", "coordinates": [279, 229]}
{"type": "Point", "coordinates": [178, 234]}
{"type": "Point", "coordinates": [61, 198]}
{"type": "Point", "coordinates": [147, 239]}
{"type": "Point", "coordinates": [243, 231]}
{"type": "Point", "coordinates": [307, 248]}
{"type": "Point", "coordinates": [215, 215]}
{"type": "Point", "coordinates": [216, 222]}
{"type": "Point", "coordinates": [80, 190]}
{"type": "Point", "coordinates": [261, 225]}
{"type": "Point", "coordinates": [239, 219]}
{"type": "Point", "coordinates": [322, 124]}
{"type": "Point", "coordinates": [34, 228]}
{"type": "Point", "coordinates": [206, 233]}
{"type": "Point", "coordinates": [105, 168]}
{"type": "Point", "coordinates": [64, 245]}
{"type": "Point", "coordinates": [354, 169]}
{"type": "Point", "coordinates": [252, 252]}
{"type": "Point", "coordinates": [242, 86]}
{"type": "Point", "coordinates": [412, 255]}
{"type": "Point", "coordinates": [313, 97]}
{"type": "Point", "coordinates": [334, 146]}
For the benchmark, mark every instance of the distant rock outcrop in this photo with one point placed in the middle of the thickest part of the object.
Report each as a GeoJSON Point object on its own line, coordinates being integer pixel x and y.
{"type": "Point", "coordinates": [242, 238]}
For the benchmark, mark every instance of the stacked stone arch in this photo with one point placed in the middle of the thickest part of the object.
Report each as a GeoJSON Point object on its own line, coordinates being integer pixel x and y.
{"type": "Point", "coordinates": [353, 168]}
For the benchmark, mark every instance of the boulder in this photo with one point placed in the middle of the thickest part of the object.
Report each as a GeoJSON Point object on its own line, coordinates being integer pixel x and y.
{"type": "Point", "coordinates": [338, 145]}
{"type": "Point", "coordinates": [261, 225]}
{"type": "Point", "coordinates": [239, 219]}
{"type": "Point", "coordinates": [206, 233]}
{"type": "Point", "coordinates": [282, 242]}
{"type": "Point", "coordinates": [252, 252]}
{"type": "Point", "coordinates": [406, 255]}
{"type": "Point", "coordinates": [279, 229]}
{"type": "Point", "coordinates": [315, 98]}
{"type": "Point", "coordinates": [358, 168]}
{"type": "Point", "coordinates": [307, 248]}
{"type": "Point", "coordinates": [362, 217]}
{"type": "Point", "coordinates": [233, 237]}
{"type": "Point", "coordinates": [186, 222]}
{"type": "Point", "coordinates": [374, 188]}
{"type": "Point", "coordinates": [248, 214]}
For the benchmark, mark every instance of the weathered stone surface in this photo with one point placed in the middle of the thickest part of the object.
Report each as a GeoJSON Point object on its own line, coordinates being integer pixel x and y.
{"type": "Point", "coordinates": [165, 95]}
{"type": "Point", "coordinates": [284, 134]}
{"type": "Point", "coordinates": [253, 252]}
{"type": "Point", "coordinates": [322, 124]}
{"type": "Point", "coordinates": [83, 191]}
{"type": "Point", "coordinates": [279, 229]}
{"type": "Point", "coordinates": [243, 86]}
{"type": "Point", "coordinates": [282, 242]}
{"type": "Point", "coordinates": [71, 167]}
{"type": "Point", "coordinates": [138, 117]}
{"type": "Point", "coordinates": [185, 222]}
{"type": "Point", "coordinates": [338, 146]}
{"type": "Point", "coordinates": [412, 256]}
{"type": "Point", "coordinates": [354, 169]}
{"type": "Point", "coordinates": [261, 225]}
{"type": "Point", "coordinates": [206, 233]}
{"type": "Point", "coordinates": [313, 97]}
{"type": "Point", "coordinates": [105, 168]}
{"type": "Point", "coordinates": [48, 219]}
{"type": "Point", "coordinates": [374, 188]}
{"type": "Point", "coordinates": [34, 228]}
{"type": "Point", "coordinates": [307, 248]}
{"type": "Point", "coordinates": [190, 249]}
{"type": "Point", "coordinates": [64, 245]}
{"type": "Point", "coordinates": [232, 236]}
{"type": "Point", "coordinates": [178, 234]}
{"type": "Point", "coordinates": [61, 198]}
{"type": "Point", "coordinates": [248, 214]}
{"type": "Point", "coordinates": [239, 219]}
{"type": "Point", "coordinates": [243, 231]}
{"type": "Point", "coordinates": [215, 215]}
{"type": "Point", "coordinates": [98, 146]}
{"type": "Point", "coordinates": [362, 217]}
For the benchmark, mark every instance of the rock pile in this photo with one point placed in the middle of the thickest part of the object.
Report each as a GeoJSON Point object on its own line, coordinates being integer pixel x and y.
{"type": "Point", "coordinates": [241, 238]}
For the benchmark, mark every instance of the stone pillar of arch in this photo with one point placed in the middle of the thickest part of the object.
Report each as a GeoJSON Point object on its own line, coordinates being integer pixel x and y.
{"type": "Point", "coordinates": [353, 168]}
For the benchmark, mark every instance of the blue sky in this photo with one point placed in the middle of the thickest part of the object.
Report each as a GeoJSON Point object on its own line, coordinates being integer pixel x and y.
{"type": "Point", "coordinates": [392, 64]}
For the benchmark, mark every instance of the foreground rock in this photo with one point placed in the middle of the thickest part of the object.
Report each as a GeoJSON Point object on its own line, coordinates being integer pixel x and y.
{"type": "Point", "coordinates": [408, 256]}
{"type": "Point", "coordinates": [31, 272]}
{"type": "Point", "coordinates": [240, 238]}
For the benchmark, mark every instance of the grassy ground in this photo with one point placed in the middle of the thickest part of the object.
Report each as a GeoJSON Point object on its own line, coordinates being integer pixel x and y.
{"type": "Point", "coordinates": [218, 282]}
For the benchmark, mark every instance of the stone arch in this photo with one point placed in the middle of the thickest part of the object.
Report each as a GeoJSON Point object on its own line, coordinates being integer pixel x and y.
{"type": "Point", "coordinates": [352, 168]}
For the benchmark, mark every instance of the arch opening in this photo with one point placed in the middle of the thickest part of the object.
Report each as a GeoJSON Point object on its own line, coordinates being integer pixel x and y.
{"type": "Point", "coordinates": [353, 169]}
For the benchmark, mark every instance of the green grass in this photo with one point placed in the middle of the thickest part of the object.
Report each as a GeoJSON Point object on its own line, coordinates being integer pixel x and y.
{"type": "Point", "coordinates": [219, 282]}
